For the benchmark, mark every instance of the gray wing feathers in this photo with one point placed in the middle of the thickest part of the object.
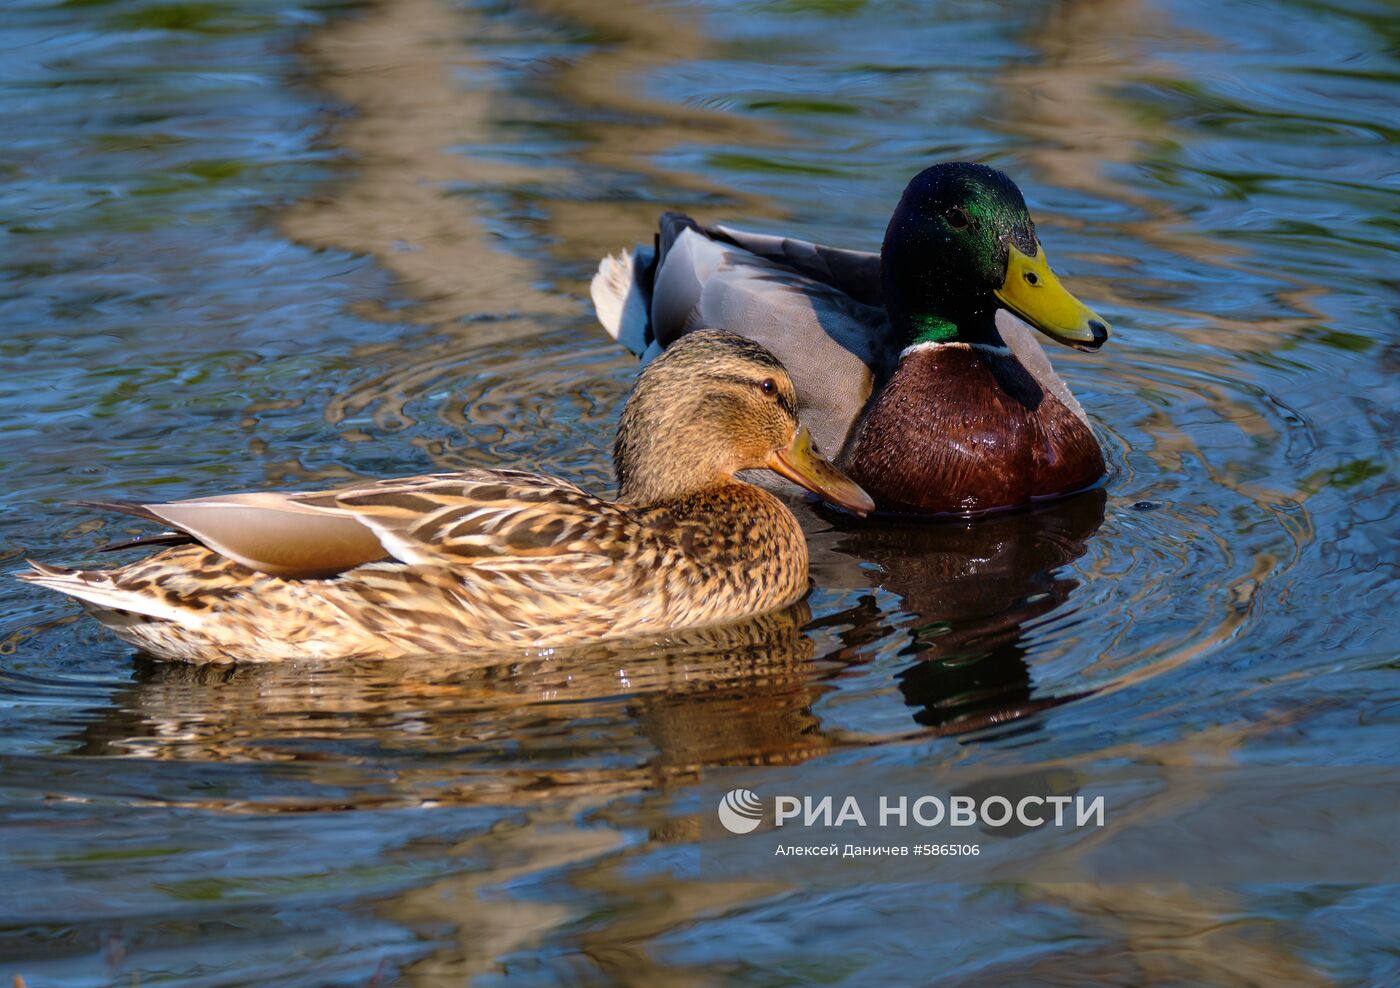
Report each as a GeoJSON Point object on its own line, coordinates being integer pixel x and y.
{"type": "Point", "coordinates": [854, 272]}
{"type": "Point", "coordinates": [686, 266]}
{"type": "Point", "coordinates": [273, 533]}
{"type": "Point", "coordinates": [833, 345]}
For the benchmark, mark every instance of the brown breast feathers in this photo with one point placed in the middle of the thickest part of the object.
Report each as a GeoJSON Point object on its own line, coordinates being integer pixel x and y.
{"type": "Point", "coordinates": [962, 429]}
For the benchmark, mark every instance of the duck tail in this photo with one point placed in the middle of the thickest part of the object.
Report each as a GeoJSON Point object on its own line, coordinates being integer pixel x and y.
{"type": "Point", "coordinates": [669, 229]}
{"type": "Point", "coordinates": [102, 593]}
{"type": "Point", "coordinates": [621, 294]}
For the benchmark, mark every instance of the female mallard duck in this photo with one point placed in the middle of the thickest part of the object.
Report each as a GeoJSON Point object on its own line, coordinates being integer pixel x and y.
{"type": "Point", "coordinates": [495, 557]}
{"type": "Point", "coordinates": [932, 405]}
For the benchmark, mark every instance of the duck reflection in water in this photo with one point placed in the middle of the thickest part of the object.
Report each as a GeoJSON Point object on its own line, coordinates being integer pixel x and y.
{"type": "Point", "coordinates": [725, 694]}
{"type": "Point", "coordinates": [972, 588]}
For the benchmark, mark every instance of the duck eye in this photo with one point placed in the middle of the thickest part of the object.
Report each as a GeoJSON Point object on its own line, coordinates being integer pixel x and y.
{"type": "Point", "coordinates": [769, 386]}
{"type": "Point", "coordinates": [1031, 278]}
{"type": "Point", "coordinates": [957, 218]}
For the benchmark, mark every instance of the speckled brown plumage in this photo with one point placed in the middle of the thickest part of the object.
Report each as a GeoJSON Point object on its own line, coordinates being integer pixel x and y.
{"type": "Point", "coordinates": [491, 558]}
{"type": "Point", "coordinates": [964, 428]}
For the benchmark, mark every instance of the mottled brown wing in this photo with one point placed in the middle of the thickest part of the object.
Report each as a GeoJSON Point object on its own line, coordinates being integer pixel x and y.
{"type": "Point", "coordinates": [318, 534]}
{"type": "Point", "coordinates": [485, 520]}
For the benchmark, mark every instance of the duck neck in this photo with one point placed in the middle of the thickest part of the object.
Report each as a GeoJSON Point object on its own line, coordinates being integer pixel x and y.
{"type": "Point", "coordinates": [661, 463]}
{"type": "Point", "coordinates": [928, 328]}
{"type": "Point", "coordinates": [638, 492]}
{"type": "Point", "coordinates": [657, 456]}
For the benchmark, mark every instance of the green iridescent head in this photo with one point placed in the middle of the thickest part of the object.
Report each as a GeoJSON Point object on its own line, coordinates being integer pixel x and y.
{"type": "Point", "coordinates": [962, 244]}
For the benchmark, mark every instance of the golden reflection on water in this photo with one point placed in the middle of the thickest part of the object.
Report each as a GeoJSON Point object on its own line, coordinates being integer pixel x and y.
{"type": "Point", "coordinates": [1176, 933]}
{"type": "Point", "coordinates": [628, 127]}
{"type": "Point", "coordinates": [400, 67]}
{"type": "Point", "coordinates": [1065, 104]}
{"type": "Point", "coordinates": [417, 90]}
{"type": "Point", "coordinates": [1076, 127]}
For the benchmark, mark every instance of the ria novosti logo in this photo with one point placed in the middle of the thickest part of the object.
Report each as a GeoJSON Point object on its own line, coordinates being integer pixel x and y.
{"type": "Point", "coordinates": [741, 811]}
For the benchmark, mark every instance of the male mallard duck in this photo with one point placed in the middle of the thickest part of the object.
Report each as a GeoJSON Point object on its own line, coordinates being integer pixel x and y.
{"type": "Point", "coordinates": [932, 405]}
{"type": "Point", "coordinates": [495, 557]}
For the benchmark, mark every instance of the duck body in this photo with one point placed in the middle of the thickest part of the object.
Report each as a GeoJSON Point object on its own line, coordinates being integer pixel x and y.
{"type": "Point", "coordinates": [492, 558]}
{"type": "Point", "coordinates": [979, 424]}
{"type": "Point", "coordinates": [468, 560]}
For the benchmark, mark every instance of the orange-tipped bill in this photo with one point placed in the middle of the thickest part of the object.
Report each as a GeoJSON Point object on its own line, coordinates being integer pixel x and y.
{"type": "Point", "coordinates": [803, 465]}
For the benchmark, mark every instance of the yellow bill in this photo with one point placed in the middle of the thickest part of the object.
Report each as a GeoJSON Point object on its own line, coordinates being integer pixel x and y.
{"type": "Point", "coordinates": [803, 465]}
{"type": "Point", "coordinates": [1032, 292]}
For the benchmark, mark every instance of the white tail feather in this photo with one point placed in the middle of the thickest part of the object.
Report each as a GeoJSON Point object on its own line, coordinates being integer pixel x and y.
{"type": "Point", "coordinates": [617, 298]}
{"type": "Point", "coordinates": [97, 590]}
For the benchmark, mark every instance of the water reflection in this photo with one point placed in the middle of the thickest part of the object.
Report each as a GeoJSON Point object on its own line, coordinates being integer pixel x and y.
{"type": "Point", "coordinates": [719, 695]}
{"type": "Point", "coordinates": [974, 590]}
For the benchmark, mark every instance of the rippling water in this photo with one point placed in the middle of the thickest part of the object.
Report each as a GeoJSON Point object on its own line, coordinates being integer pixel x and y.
{"type": "Point", "coordinates": [258, 244]}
